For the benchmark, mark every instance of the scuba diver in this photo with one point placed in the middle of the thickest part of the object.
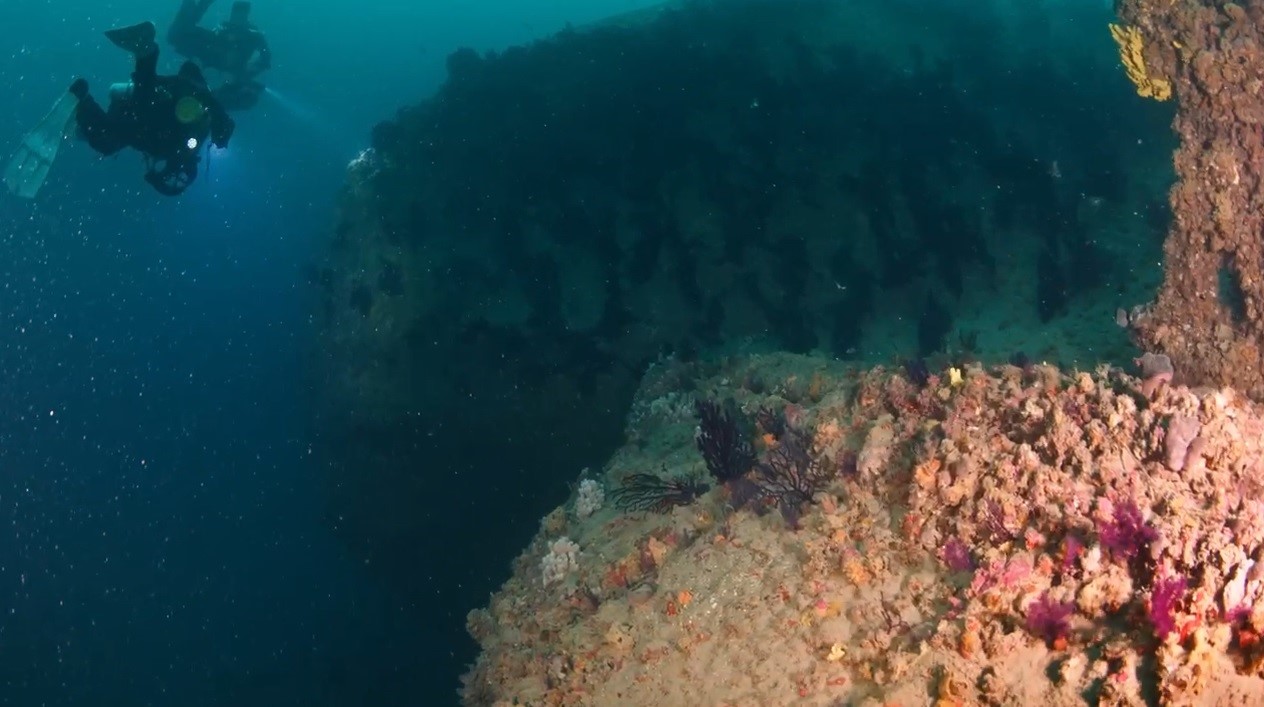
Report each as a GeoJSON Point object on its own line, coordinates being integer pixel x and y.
{"type": "Point", "coordinates": [165, 118]}
{"type": "Point", "coordinates": [237, 48]}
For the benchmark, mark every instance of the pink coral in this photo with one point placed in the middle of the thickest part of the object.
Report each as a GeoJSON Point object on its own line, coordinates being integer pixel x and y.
{"type": "Point", "coordinates": [1182, 432]}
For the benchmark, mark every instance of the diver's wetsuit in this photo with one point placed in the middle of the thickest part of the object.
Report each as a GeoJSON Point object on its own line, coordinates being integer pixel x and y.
{"type": "Point", "coordinates": [232, 49]}
{"type": "Point", "coordinates": [146, 118]}
{"type": "Point", "coordinates": [186, 37]}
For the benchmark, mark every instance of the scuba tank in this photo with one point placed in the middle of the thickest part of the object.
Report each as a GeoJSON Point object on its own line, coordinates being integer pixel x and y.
{"type": "Point", "coordinates": [120, 91]}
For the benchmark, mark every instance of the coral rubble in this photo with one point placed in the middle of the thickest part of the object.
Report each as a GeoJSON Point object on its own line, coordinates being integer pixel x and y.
{"type": "Point", "coordinates": [1016, 538]}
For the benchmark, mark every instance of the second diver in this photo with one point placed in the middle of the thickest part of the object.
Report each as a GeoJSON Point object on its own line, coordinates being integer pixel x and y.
{"type": "Point", "coordinates": [236, 48]}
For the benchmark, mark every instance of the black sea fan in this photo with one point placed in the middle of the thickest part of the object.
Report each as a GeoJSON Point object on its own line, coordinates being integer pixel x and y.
{"type": "Point", "coordinates": [917, 371]}
{"type": "Point", "coordinates": [723, 441]}
{"type": "Point", "coordinates": [771, 421]}
{"type": "Point", "coordinates": [647, 492]}
{"type": "Point", "coordinates": [789, 475]}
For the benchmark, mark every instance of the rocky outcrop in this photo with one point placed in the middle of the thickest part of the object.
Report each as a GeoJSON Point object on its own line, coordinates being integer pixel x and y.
{"type": "Point", "coordinates": [1024, 540]}
{"type": "Point", "coordinates": [1209, 314]}
{"type": "Point", "coordinates": [513, 252]}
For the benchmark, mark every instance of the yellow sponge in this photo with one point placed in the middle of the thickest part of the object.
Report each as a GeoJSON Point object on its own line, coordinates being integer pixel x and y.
{"type": "Point", "coordinates": [1129, 41]}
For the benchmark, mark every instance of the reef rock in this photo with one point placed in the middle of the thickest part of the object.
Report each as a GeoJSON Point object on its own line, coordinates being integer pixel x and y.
{"type": "Point", "coordinates": [1083, 568]}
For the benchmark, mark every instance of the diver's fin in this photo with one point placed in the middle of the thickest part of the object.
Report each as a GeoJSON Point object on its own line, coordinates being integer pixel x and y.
{"type": "Point", "coordinates": [192, 11]}
{"type": "Point", "coordinates": [137, 39]}
{"type": "Point", "coordinates": [190, 72]}
{"type": "Point", "coordinates": [27, 170]}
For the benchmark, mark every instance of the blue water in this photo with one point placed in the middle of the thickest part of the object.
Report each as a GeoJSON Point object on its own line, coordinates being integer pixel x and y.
{"type": "Point", "coordinates": [161, 532]}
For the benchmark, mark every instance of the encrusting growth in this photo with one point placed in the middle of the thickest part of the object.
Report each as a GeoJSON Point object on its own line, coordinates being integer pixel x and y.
{"type": "Point", "coordinates": [1209, 314]}
{"type": "Point", "coordinates": [1012, 536]}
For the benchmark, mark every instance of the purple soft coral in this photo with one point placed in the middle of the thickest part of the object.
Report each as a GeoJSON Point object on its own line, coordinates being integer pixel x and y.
{"type": "Point", "coordinates": [1072, 548]}
{"type": "Point", "coordinates": [1050, 620]}
{"type": "Point", "coordinates": [956, 556]}
{"type": "Point", "coordinates": [1164, 600]}
{"type": "Point", "coordinates": [1126, 535]}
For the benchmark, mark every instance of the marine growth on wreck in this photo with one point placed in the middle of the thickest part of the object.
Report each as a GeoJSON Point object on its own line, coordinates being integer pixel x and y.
{"type": "Point", "coordinates": [991, 535]}
{"type": "Point", "coordinates": [900, 365]}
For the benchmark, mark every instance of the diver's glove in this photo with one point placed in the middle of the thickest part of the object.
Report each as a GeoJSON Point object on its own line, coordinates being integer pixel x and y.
{"type": "Point", "coordinates": [79, 89]}
{"type": "Point", "coordinates": [221, 131]}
